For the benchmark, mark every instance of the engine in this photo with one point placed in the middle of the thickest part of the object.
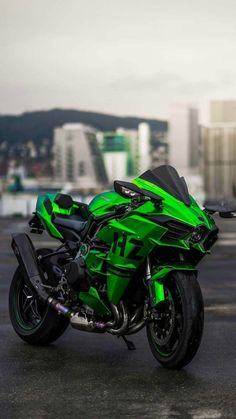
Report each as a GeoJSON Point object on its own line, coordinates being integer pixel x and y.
{"type": "Point", "coordinates": [76, 275]}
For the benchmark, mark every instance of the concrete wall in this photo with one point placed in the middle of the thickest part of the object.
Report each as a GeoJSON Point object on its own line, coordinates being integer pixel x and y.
{"type": "Point", "coordinates": [12, 204]}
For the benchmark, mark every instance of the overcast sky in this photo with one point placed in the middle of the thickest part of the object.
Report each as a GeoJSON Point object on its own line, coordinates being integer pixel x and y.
{"type": "Point", "coordinates": [126, 57]}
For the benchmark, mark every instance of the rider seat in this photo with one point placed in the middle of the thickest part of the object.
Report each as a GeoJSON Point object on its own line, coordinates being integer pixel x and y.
{"type": "Point", "coordinates": [72, 222]}
{"type": "Point", "coordinates": [72, 225]}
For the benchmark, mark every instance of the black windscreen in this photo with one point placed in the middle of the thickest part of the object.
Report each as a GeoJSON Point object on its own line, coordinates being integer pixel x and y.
{"type": "Point", "coordinates": [167, 178]}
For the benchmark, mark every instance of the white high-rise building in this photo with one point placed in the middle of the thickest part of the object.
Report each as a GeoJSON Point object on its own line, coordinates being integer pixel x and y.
{"type": "Point", "coordinates": [77, 157]}
{"type": "Point", "coordinates": [116, 165]}
{"type": "Point", "coordinates": [126, 152]}
{"type": "Point", "coordinates": [184, 147]}
{"type": "Point", "coordinates": [183, 138]}
{"type": "Point", "coordinates": [132, 141]}
{"type": "Point", "coordinates": [219, 150]}
{"type": "Point", "coordinates": [219, 160]}
{"type": "Point", "coordinates": [114, 150]}
{"type": "Point", "coordinates": [144, 147]}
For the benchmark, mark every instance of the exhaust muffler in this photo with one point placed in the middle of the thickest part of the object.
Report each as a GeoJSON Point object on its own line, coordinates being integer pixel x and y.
{"type": "Point", "coordinates": [27, 258]}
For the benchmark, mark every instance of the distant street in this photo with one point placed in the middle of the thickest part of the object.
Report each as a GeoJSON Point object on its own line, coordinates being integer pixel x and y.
{"type": "Point", "coordinates": [94, 376]}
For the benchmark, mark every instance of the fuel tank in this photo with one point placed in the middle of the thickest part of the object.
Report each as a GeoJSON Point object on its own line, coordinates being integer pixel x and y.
{"type": "Point", "coordinates": [105, 202]}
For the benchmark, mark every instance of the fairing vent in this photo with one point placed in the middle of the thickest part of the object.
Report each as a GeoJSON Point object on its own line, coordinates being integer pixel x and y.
{"type": "Point", "coordinates": [211, 238]}
{"type": "Point", "coordinates": [177, 230]}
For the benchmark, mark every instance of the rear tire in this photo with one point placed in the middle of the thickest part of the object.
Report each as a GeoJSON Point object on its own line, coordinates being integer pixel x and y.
{"type": "Point", "coordinates": [36, 323]}
{"type": "Point", "coordinates": [175, 335]}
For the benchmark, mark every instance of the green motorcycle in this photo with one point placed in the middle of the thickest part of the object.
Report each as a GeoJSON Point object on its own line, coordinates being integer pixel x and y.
{"type": "Point", "coordinates": [126, 261]}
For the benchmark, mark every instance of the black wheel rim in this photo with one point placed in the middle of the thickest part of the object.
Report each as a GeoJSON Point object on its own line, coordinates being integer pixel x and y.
{"type": "Point", "coordinates": [29, 311]}
{"type": "Point", "coordinates": [167, 326]}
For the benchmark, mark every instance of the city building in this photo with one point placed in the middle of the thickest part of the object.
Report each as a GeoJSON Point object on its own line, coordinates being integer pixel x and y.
{"type": "Point", "coordinates": [159, 157]}
{"type": "Point", "coordinates": [114, 149]}
{"type": "Point", "coordinates": [183, 138]}
{"type": "Point", "coordinates": [219, 160]}
{"type": "Point", "coordinates": [222, 111]}
{"type": "Point", "coordinates": [159, 149]}
{"type": "Point", "coordinates": [126, 153]}
{"type": "Point", "coordinates": [77, 158]}
{"type": "Point", "coordinates": [184, 147]}
{"type": "Point", "coordinates": [132, 139]}
{"type": "Point", "coordinates": [218, 137]}
{"type": "Point", "coordinates": [144, 147]}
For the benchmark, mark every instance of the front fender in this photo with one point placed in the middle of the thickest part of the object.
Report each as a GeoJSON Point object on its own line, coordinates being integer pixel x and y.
{"type": "Point", "coordinates": [158, 278]}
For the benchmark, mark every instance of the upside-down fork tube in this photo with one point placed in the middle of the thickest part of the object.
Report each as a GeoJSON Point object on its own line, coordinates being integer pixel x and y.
{"type": "Point", "coordinates": [157, 280]}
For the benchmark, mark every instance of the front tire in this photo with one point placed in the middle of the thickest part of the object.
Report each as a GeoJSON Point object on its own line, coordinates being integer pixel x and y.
{"type": "Point", "coordinates": [175, 332]}
{"type": "Point", "coordinates": [36, 323]}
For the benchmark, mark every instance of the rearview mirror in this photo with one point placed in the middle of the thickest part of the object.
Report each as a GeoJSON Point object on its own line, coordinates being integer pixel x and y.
{"type": "Point", "coordinates": [225, 210]}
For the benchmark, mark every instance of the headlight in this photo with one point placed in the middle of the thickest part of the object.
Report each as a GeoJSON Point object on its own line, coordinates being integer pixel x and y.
{"type": "Point", "coordinates": [127, 189]}
{"type": "Point", "coordinates": [198, 234]}
{"type": "Point", "coordinates": [128, 193]}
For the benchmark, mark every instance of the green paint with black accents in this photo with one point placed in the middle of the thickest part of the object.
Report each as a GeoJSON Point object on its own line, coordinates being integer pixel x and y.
{"type": "Point", "coordinates": [131, 238]}
{"type": "Point", "coordinates": [92, 299]}
{"type": "Point", "coordinates": [46, 208]}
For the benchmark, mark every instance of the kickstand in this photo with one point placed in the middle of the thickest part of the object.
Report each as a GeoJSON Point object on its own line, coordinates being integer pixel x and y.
{"type": "Point", "coordinates": [130, 345]}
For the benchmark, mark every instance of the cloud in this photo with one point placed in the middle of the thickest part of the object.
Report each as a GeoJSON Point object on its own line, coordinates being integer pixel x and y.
{"type": "Point", "coordinates": [171, 82]}
{"type": "Point", "coordinates": [149, 82]}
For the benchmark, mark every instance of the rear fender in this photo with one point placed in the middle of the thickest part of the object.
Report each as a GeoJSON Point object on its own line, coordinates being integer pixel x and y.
{"type": "Point", "coordinates": [158, 278]}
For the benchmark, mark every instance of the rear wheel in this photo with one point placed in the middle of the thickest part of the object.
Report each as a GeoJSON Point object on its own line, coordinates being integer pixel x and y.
{"type": "Point", "coordinates": [175, 332]}
{"type": "Point", "coordinates": [35, 322]}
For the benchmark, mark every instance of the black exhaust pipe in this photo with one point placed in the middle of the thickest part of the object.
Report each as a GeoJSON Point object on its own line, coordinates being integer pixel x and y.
{"type": "Point", "coordinates": [26, 255]}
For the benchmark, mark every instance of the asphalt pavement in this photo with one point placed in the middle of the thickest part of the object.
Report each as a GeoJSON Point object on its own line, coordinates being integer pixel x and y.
{"type": "Point", "coordinates": [86, 375]}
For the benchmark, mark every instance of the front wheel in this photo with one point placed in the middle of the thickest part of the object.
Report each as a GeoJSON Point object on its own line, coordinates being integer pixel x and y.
{"type": "Point", "coordinates": [175, 330]}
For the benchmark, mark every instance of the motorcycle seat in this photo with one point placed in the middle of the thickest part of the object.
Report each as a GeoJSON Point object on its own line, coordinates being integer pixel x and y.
{"type": "Point", "coordinates": [66, 202]}
{"type": "Point", "coordinates": [71, 222]}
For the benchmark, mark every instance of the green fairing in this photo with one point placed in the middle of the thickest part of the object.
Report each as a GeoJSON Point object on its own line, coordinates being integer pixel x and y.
{"type": "Point", "coordinates": [136, 227]}
{"type": "Point", "coordinates": [131, 238]}
{"type": "Point", "coordinates": [104, 203]}
{"type": "Point", "coordinates": [157, 280]}
{"type": "Point", "coordinates": [92, 299]}
{"type": "Point", "coordinates": [46, 217]}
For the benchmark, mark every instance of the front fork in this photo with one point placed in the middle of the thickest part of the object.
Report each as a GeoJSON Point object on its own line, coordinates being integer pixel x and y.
{"type": "Point", "coordinates": [156, 288]}
{"type": "Point", "coordinates": [156, 278]}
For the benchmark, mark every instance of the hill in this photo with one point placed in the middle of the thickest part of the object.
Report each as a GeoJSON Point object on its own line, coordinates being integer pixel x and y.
{"type": "Point", "coordinates": [38, 125]}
